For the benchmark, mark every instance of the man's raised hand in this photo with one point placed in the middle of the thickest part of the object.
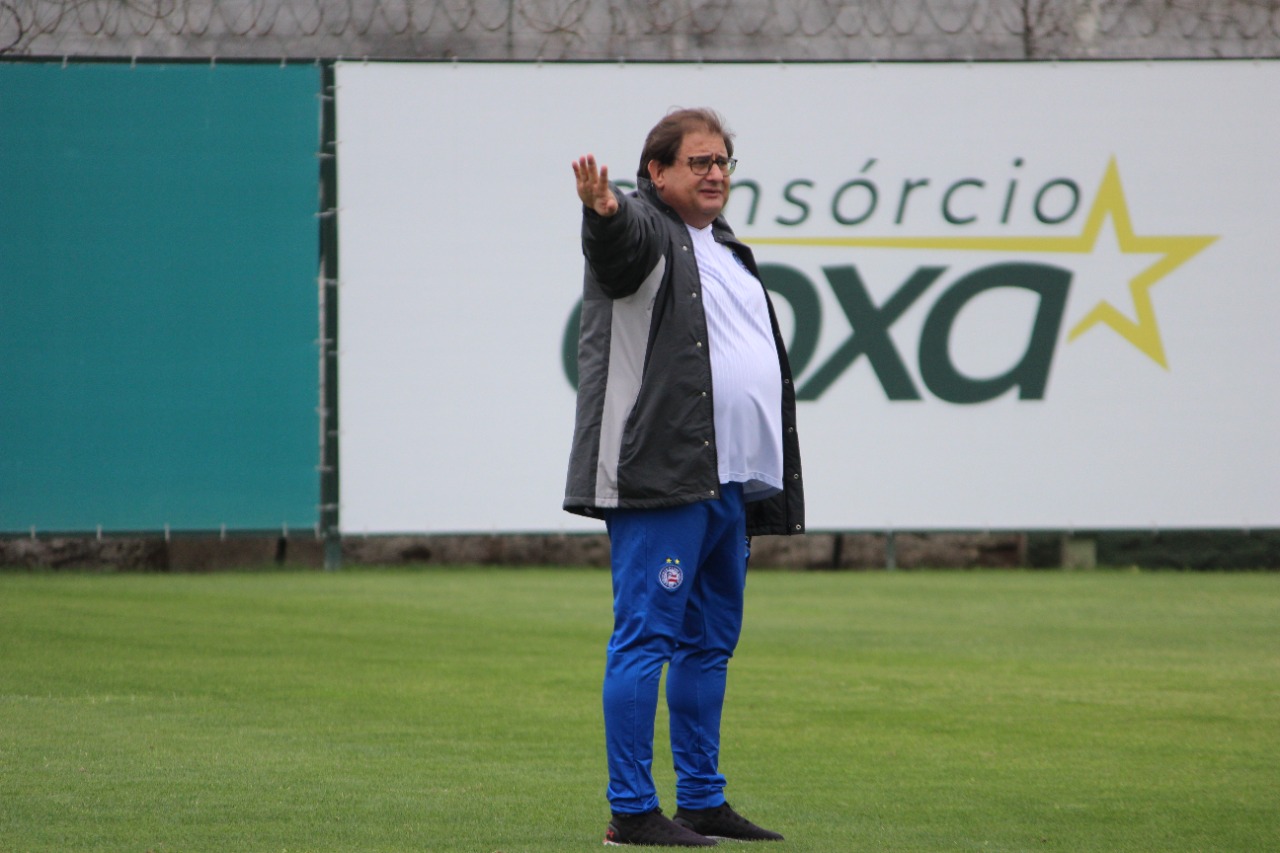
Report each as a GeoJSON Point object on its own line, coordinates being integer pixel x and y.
{"type": "Point", "coordinates": [593, 186]}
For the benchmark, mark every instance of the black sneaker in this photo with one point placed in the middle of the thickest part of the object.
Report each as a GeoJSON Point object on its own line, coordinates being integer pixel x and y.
{"type": "Point", "coordinates": [652, 829]}
{"type": "Point", "coordinates": [722, 822]}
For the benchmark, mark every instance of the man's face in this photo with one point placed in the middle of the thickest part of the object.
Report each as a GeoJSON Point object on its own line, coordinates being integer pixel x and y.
{"type": "Point", "coordinates": [697, 198]}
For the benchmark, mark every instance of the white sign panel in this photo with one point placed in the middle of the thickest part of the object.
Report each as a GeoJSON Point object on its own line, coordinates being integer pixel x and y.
{"type": "Point", "coordinates": [1017, 296]}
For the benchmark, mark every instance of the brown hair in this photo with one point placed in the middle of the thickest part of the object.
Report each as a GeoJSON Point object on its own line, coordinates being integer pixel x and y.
{"type": "Point", "coordinates": [663, 142]}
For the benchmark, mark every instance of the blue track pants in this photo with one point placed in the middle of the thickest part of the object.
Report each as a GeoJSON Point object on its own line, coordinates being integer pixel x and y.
{"type": "Point", "coordinates": [679, 574]}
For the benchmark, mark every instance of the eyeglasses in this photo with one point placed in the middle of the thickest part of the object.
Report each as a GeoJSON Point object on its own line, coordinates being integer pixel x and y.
{"type": "Point", "coordinates": [702, 165]}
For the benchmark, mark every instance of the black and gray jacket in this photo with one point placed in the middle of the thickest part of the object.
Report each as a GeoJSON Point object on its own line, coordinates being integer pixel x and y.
{"type": "Point", "coordinates": [645, 435]}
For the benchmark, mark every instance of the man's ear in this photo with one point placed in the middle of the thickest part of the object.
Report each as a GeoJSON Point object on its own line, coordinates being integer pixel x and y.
{"type": "Point", "coordinates": [657, 173]}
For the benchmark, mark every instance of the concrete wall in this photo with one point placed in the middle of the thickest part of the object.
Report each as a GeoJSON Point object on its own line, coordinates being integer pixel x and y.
{"type": "Point", "coordinates": [635, 30]}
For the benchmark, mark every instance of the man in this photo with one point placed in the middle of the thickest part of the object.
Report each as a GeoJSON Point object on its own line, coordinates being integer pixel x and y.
{"type": "Point", "coordinates": [685, 444]}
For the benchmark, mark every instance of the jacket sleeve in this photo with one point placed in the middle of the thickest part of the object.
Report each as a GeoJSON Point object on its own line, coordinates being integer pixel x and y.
{"type": "Point", "coordinates": [621, 250]}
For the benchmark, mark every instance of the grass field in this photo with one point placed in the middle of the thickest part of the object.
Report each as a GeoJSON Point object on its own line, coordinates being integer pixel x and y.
{"type": "Point", "coordinates": [458, 710]}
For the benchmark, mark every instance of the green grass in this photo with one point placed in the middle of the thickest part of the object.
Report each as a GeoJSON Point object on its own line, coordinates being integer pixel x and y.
{"type": "Point", "coordinates": [458, 710]}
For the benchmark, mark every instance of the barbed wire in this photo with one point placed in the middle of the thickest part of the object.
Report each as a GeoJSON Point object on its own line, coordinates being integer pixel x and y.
{"type": "Point", "coordinates": [643, 29]}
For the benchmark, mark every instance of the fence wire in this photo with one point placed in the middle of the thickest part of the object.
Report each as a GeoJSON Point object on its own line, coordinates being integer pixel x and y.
{"type": "Point", "coordinates": [642, 29]}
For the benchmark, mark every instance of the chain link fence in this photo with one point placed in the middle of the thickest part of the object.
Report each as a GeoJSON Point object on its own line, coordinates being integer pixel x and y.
{"type": "Point", "coordinates": [629, 30]}
{"type": "Point", "coordinates": [644, 30]}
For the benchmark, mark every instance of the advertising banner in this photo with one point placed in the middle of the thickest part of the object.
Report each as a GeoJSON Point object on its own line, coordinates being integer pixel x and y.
{"type": "Point", "coordinates": [1017, 296]}
{"type": "Point", "coordinates": [158, 297]}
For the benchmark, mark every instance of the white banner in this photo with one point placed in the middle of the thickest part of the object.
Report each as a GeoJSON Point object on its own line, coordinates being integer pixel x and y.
{"type": "Point", "coordinates": [1018, 296]}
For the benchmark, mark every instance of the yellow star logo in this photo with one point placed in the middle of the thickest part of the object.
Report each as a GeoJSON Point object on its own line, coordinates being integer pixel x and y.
{"type": "Point", "coordinates": [1143, 332]}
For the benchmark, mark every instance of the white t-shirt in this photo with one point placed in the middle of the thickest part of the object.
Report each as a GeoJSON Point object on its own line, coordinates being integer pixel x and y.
{"type": "Point", "coordinates": [745, 379]}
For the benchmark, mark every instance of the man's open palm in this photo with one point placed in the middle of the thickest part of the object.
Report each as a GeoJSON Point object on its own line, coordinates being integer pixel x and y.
{"type": "Point", "coordinates": [593, 186]}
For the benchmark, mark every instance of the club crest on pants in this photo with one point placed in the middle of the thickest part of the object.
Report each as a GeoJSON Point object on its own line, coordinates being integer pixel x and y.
{"type": "Point", "coordinates": [670, 575]}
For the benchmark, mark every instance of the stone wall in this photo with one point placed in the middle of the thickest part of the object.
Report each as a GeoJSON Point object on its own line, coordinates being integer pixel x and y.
{"type": "Point", "coordinates": [209, 553]}
{"type": "Point", "coordinates": [1202, 550]}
